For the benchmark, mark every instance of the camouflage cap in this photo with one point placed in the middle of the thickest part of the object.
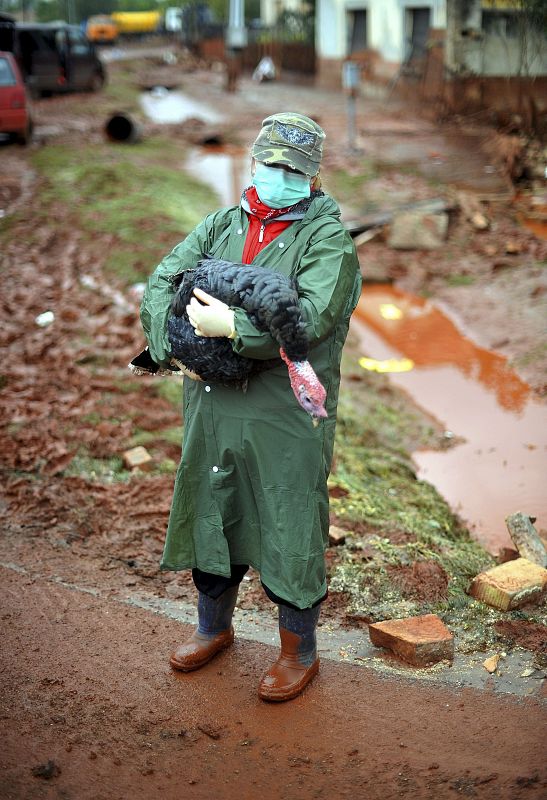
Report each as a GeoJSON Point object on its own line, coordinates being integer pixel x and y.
{"type": "Point", "coordinates": [291, 139]}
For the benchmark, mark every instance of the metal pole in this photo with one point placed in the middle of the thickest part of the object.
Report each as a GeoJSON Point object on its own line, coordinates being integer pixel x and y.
{"type": "Point", "coordinates": [236, 17]}
{"type": "Point", "coordinates": [351, 120]}
{"type": "Point", "coordinates": [236, 35]}
{"type": "Point", "coordinates": [236, 40]}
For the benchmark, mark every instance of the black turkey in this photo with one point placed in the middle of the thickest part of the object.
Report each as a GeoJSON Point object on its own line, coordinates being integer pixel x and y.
{"type": "Point", "coordinates": [271, 301]}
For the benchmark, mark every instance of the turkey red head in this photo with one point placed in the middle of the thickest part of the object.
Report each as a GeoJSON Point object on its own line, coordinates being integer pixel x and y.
{"type": "Point", "coordinates": [307, 388]}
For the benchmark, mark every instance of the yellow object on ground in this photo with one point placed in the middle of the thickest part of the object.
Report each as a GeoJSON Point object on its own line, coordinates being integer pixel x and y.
{"type": "Point", "coordinates": [388, 365]}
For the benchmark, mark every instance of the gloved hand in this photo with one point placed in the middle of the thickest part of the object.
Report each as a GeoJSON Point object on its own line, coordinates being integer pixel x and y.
{"type": "Point", "coordinates": [213, 319]}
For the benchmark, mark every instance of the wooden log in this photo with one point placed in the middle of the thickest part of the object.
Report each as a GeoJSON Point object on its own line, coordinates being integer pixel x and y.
{"type": "Point", "coordinates": [435, 206]}
{"type": "Point", "coordinates": [526, 538]}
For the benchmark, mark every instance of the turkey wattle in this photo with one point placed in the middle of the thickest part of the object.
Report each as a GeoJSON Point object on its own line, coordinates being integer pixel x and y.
{"type": "Point", "coordinates": [271, 301]}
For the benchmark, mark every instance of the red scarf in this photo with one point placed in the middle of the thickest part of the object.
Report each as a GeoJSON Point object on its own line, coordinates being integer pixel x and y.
{"type": "Point", "coordinates": [259, 234]}
{"type": "Point", "coordinates": [260, 209]}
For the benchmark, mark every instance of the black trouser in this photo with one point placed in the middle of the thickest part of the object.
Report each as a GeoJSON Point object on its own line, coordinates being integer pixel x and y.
{"type": "Point", "coordinates": [214, 585]}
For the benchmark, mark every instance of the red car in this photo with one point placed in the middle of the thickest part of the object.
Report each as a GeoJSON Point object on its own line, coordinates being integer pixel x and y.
{"type": "Point", "coordinates": [14, 114]}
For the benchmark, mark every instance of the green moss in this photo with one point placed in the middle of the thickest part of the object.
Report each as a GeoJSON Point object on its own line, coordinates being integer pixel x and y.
{"type": "Point", "coordinates": [133, 196]}
{"type": "Point", "coordinates": [171, 435]}
{"type": "Point", "coordinates": [170, 389]}
{"type": "Point", "coordinates": [533, 354]}
{"type": "Point", "coordinates": [393, 519]}
{"type": "Point", "coordinates": [460, 280]}
{"type": "Point", "coordinates": [105, 470]}
{"type": "Point", "coordinates": [350, 187]}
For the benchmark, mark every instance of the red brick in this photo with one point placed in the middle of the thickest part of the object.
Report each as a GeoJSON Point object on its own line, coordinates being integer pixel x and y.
{"type": "Point", "coordinates": [418, 640]}
{"type": "Point", "coordinates": [137, 457]}
{"type": "Point", "coordinates": [337, 536]}
{"type": "Point", "coordinates": [510, 585]}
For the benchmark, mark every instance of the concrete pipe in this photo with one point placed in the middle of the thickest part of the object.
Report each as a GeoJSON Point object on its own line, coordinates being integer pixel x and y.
{"type": "Point", "coordinates": [121, 127]}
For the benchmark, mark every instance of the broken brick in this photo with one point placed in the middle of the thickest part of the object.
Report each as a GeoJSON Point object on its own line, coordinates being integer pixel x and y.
{"type": "Point", "coordinates": [509, 585]}
{"type": "Point", "coordinates": [337, 536]}
{"type": "Point", "coordinates": [420, 640]}
{"type": "Point", "coordinates": [137, 457]}
{"type": "Point", "coordinates": [491, 664]}
{"type": "Point", "coordinates": [512, 247]}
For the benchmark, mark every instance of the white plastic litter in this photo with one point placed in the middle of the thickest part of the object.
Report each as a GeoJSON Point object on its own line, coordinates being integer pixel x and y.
{"type": "Point", "coordinates": [45, 319]}
{"type": "Point", "coordinates": [265, 70]}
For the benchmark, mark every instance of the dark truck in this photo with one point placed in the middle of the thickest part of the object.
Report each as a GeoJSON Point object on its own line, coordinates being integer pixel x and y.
{"type": "Point", "coordinates": [53, 57]}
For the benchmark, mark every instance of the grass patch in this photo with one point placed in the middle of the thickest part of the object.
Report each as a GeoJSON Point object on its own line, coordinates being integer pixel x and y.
{"type": "Point", "coordinates": [350, 185]}
{"type": "Point", "coordinates": [134, 196]}
{"type": "Point", "coordinates": [171, 435]}
{"type": "Point", "coordinates": [373, 466]}
{"type": "Point", "coordinates": [534, 354]}
{"type": "Point", "coordinates": [112, 470]}
{"type": "Point", "coordinates": [169, 389]}
{"type": "Point", "coordinates": [460, 280]}
{"type": "Point", "coordinates": [104, 470]}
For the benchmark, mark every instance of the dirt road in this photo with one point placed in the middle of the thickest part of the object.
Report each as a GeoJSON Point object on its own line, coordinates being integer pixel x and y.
{"type": "Point", "coordinates": [94, 712]}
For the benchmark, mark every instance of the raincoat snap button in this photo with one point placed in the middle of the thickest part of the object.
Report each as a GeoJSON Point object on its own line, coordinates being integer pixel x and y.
{"type": "Point", "coordinates": [207, 388]}
{"type": "Point", "coordinates": [240, 231]}
{"type": "Point", "coordinates": [215, 469]}
{"type": "Point", "coordinates": [281, 244]}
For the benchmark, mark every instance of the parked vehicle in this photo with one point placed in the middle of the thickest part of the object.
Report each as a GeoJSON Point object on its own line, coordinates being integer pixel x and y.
{"type": "Point", "coordinates": [15, 117]}
{"type": "Point", "coordinates": [101, 29]}
{"type": "Point", "coordinates": [173, 20]}
{"type": "Point", "coordinates": [137, 22]}
{"type": "Point", "coordinates": [53, 57]}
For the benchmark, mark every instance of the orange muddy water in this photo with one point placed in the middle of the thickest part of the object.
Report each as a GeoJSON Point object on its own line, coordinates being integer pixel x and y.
{"type": "Point", "coordinates": [501, 467]}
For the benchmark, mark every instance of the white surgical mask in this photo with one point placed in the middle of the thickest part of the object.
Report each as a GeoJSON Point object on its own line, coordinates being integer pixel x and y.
{"type": "Point", "coordinates": [278, 188]}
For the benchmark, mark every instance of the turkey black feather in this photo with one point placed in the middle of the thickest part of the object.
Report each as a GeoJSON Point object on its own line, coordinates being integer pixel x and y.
{"type": "Point", "coordinates": [269, 298]}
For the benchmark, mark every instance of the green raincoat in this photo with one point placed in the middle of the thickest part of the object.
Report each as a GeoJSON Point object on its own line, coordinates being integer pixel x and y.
{"type": "Point", "coordinates": [251, 487]}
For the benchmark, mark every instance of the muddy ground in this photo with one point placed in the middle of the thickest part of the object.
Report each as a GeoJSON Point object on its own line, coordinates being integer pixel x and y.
{"type": "Point", "coordinates": [93, 710]}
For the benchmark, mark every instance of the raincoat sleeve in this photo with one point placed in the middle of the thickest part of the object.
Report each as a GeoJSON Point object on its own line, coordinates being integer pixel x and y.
{"type": "Point", "coordinates": [326, 275]}
{"type": "Point", "coordinates": [159, 289]}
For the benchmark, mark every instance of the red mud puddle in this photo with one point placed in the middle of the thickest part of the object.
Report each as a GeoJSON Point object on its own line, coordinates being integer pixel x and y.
{"type": "Point", "coordinates": [537, 223]}
{"type": "Point", "coordinates": [502, 465]}
{"type": "Point", "coordinates": [532, 214]}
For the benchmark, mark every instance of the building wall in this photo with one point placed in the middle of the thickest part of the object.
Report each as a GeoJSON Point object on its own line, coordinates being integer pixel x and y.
{"type": "Point", "coordinates": [504, 50]}
{"type": "Point", "coordinates": [496, 50]}
{"type": "Point", "coordinates": [386, 23]}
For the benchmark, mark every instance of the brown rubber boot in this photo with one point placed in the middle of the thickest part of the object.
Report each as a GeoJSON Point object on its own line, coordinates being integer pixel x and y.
{"type": "Point", "coordinates": [213, 633]}
{"type": "Point", "coordinates": [297, 663]}
{"type": "Point", "coordinates": [199, 649]}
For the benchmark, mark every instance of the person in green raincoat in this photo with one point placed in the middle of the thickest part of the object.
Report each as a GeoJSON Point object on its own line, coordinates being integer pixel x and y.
{"type": "Point", "coordinates": [251, 488]}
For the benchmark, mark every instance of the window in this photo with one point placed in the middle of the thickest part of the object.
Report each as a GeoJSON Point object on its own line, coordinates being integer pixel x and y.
{"type": "Point", "coordinates": [418, 22]}
{"type": "Point", "coordinates": [357, 30]}
{"type": "Point", "coordinates": [7, 78]}
{"type": "Point", "coordinates": [500, 23]}
{"type": "Point", "coordinates": [79, 46]}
